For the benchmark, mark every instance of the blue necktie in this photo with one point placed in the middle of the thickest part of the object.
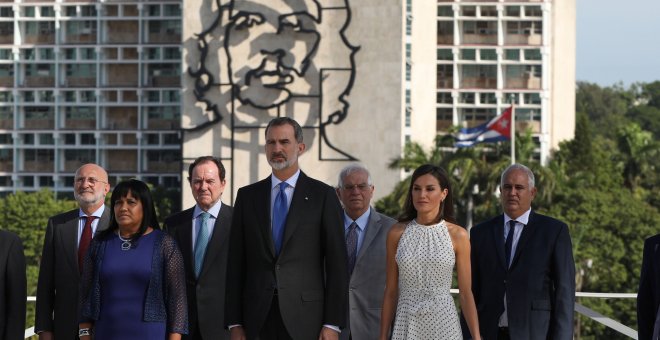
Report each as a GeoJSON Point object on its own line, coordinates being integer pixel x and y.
{"type": "Point", "coordinates": [509, 242]}
{"type": "Point", "coordinates": [280, 209]}
{"type": "Point", "coordinates": [202, 241]}
{"type": "Point", "coordinates": [351, 246]}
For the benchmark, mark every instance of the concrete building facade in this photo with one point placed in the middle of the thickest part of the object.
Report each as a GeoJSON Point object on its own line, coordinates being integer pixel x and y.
{"type": "Point", "coordinates": [87, 81]}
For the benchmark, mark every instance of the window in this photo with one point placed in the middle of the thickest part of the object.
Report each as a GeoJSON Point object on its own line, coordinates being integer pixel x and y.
{"type": "Point", "coordinates": [444, 114]}
{"type": "Point", "coordinates": [46, 96]}
{"type": "Point", "coordinates": [488, 11]}
{"type": "Point", "coordinates": [88, 11]}
{"type": "Point", "coordinates": [510, 54]}
{"type": "Point", "coordinates": [47, 11]}
{"type": "Point", "coordinates": [466, 98]}
{"type": "Point", "coordinates": [445, 11]}
{"type": "Point", "coordinates": [6, 54]}
{"type": "Point", "coordinates": [532, 98]}
{"type": "Point", "coordinates": [46, 139]}
{"type": "Point", "coordinates": [445, 54]}
{"type": "Point", "coordinates": [172, 10]}
{"type": "Point", "coordinates": [487, 98]}
{"type": "Point", "coordinates": [28, 97]}
{"type": "Point", "coordinates": [6, 96]}
{"type": "Point", "coordinates": [69, 139]}
{"type": "Point", "coordinates": [29, 11]}
{"type": "Point", "coordinates": [171, 139]}
{"type": "Point", "coordinates": [28, 54]}
{"type": "Point", "coordinates": [153, 97]}
{"type": "Point", "coordinates": [153, 10]}
{"type": "Point", "coordinates": [69, 96]}
{"type": "Point", "coordinates": [6, 12]}
{"type": "Point", "coordinates": [70, 53]}
{"type": "Point", "coordinates": [46, 181]}
{"type": "Point", "coordinates": [512, 11]}
{"type": "Point", "coordinates": [87, 54]}
{"type": "Point", "coordinates": [87, 139]}
{"type": "Point", "coordinates": [533, 54]}
{"type": "Point", "coordinates": [70, 11]}
{"type": "Point", "coordinates": [172, 53]}
{"type": "Point", "coordinates": [488, 54]}
{"type": "Point", "coordinates": [88, 96]}
{"type": "Point", "coordinates": [153, 139]}
{"type": "Point", "coordinates": [469, 11]}
{"type": "Point", "coordinates": [80, 113]}
{"type": "Point", "coordinates": [171, 96]}
{"type": "Point", "coordinates": [46, 54]}
{"type": "Point", "coordinates": [82, 156]}
{"type": "Point", "coordinates": [533, 11]}
{"type": "Point", "coordinates": [5, 138]}
{"type": "Point", "coordinates": [468, 54]}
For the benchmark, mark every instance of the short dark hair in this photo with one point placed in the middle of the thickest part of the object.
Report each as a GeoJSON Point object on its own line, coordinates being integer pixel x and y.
{"type": "Point", "coordinates": [141, 192]}
{"type": "Point", "coordinates": [279, 121]}
{"type": "Point", "coordinates": [204, 159]}
{"type": "Point", "coordinates": [446, 207]}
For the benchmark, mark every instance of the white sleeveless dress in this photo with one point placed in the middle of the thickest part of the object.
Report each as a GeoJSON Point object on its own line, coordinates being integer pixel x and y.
{"type": "Point", "coordinates": [426, 309]}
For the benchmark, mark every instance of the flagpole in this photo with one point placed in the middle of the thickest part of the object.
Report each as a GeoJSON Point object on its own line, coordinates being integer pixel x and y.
{"type": "Point", "coordinates": [513, 134]}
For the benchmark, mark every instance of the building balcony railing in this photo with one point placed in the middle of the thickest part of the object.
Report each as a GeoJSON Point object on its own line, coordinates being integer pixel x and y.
{"type": "Point", "coordinates": [164, 38]}
{"type": "Point", "coordinates": [6, 166]}
{"type": "Point", "coordinates": [162, 81]}
{"type": "Point", "coordinates": [6, 124]}
{"type": "Point", "coordinates": [533, 125]}
{"type": "Point", "coordinates": [445, 39]}
{"type": "Point", "coordinates": [39, 166]}
{"type": "Point", "coordinates": [481, 39]}
{"type": "Point", "coordinates": [39, 124]}
{"type": "Point", "coordinates": [164, 124]}
{"type": "Point", "coordinates": [159, 166]}
{"type": "Point", "coordinates": [80, 124]}
{"type": "Point", "coordinates": [120, 164]}
{"type": "Point", "coordinates": [87, 38]}
{"type": "Point", "coordinates": [39, 81]}
{"type": "Point", "coordinates": [480, 83]}
{"type": "Point", "coordinates": [526, 82]}
{"type": "Point", "coordinates": [121, 123]}
{"type": "Point", "coordinates": [39, 38]}
{"type": "Point", "coordinates": [80, 81]}
{"type": "Point", "coordinates": [6, 81]}
{"type": "Point", "coordinates": [523, 39]}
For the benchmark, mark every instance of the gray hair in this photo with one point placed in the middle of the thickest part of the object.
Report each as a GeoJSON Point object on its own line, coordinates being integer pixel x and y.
{"type": "Point", "coordinates": [526, 170]}
{"type": "Point", "coordinates": [351, 168]}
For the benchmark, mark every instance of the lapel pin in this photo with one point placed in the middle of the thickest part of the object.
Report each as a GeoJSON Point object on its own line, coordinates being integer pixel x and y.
{"type": "Point", "coordinates": [306, 198]}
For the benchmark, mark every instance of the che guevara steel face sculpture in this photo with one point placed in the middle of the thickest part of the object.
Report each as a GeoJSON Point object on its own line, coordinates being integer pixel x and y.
{"type": "Point", "coordinates": [266, 58]}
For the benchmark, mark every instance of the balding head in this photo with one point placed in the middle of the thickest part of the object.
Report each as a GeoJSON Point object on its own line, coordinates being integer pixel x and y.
{"type": "Point", "coordinates": [90, 187]}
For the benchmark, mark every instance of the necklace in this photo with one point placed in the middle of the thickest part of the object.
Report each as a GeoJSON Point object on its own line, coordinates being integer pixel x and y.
{"type": "Point", "coordinates": [125, 242]}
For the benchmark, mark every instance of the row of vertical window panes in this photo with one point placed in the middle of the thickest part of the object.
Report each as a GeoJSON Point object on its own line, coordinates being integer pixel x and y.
{"type": "Point", "coordinates": [82, 11]}
{"type": "Point", "coordinates": [490, 98]}
{"type": "Point", "coordinates": [490, 54]}
{"type": "Point", "coordinates": [490, 11]}
{"type": "Point", "coordinates": [89, 96]}
{"type": "Point", "coordinates": [83, 139]}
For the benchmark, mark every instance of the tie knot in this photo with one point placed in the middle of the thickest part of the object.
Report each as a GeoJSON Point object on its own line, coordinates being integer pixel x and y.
{"type": "Point", "coordinates": [204, 215]}
{"type": "Point", "coordinates": [283, 186]}
{"type": "Point", "coordinates": [353, 226]}
{"type": "Point", "coordinates": [512, 223]}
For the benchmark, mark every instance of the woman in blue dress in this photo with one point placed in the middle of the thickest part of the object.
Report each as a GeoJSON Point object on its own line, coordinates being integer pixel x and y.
{"type": "Point", "coordinates": [133, 282]}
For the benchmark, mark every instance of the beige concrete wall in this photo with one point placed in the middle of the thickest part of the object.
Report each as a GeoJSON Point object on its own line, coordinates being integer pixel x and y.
{"type": "Point", "coordinates": [562, 106]}
{"type": "Point", "coordinates": [370, 130]}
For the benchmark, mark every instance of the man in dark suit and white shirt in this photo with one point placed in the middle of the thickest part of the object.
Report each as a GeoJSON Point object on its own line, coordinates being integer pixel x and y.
{"type": "Point", "coordinates": [523, 274]}
{"type": "Point", "coordinates": [67, 237]}
{"type": "Point", "coordinates": [205, 252]}
{"type": "Point", "coordinates": [648, 295]}
{"type": "Point", "coordinates": [366, 232]}
{"type": "Point", "coordinates": [13, 287]}
{"type": "Point", "coordinates": [287, 276]}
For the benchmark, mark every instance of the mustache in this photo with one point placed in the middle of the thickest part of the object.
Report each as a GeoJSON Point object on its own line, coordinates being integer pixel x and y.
{"type": "Point", "coordinates": [278, 154]}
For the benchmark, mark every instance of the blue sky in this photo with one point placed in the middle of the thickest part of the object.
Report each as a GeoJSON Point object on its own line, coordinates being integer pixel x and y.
{"type": "Point", "coordinates": [618, 41]}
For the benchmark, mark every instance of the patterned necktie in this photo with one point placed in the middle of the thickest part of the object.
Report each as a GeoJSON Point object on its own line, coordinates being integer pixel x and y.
{"type": "Point", "coordinates": [351, 246]}
{"type": "Point", "coordinates": [280, 209]}
{"type": "Point", "coordinates": [509, 242]}
{"type": "Point", "coordinates": [85, 240]}
{"type": "Point", "coordinates": [201, 242]}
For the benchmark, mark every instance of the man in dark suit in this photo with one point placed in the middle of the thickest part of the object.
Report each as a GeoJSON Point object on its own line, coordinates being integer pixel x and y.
{"type": "Point", "coordinates": [287, 276]}
{"type": "Point", "coordinates": [205, 252]}
{"type": "Point", "coordinates": [523, 274]}
{"type": "Point", "coordinates": [13, 287]}
{"type": "Point", "coordinates": [66, 241]}
{"type": "Point", "coordinates": [366, 232]}
{"type": "Point", "coordinates": [648, 295]}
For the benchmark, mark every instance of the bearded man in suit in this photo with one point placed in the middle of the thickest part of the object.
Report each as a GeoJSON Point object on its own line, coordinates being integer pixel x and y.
{"type": "Point", "coordinates": [523, 274]}
{"type": "Point", "coordinates": [67, 237]}
{"type": "Point", "coordinates": [287, 276]}
{"type": "Point", "coordinates": [365, 230]}
{"type": "Point", "coordinates": [202, 233]}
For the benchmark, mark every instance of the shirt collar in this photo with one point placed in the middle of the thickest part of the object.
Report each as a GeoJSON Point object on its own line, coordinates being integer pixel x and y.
{"type": "Point", "coordinates": [361, 221]}
{"type": "Point", "coordinates": [214, 211]}
{"type": "Point", "coordinates": [98, 213]}
{"type": "Point", "coordinates": [291, 181]}
{"type": "Point", "coordinates": [524, 218]}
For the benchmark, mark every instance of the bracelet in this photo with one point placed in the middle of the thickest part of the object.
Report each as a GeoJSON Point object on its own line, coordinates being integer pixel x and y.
{"type": "Point", "coordinates": [84, 332]}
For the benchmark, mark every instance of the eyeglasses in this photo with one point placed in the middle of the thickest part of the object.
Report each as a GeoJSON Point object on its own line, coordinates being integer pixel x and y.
{"type": "Point", "coordinates": [361, 187]}
{"type": "Point", "coordinates": [92, 180]}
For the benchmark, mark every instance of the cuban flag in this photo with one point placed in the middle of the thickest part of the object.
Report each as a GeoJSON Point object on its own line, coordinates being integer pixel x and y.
{"type": "Point", "coordinates": [497, 129]}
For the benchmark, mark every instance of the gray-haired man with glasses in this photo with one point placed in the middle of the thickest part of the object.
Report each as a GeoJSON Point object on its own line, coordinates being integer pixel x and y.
{"type": "Point", "coordinates": [68, 236]}
{"type": "Point", "coordinates": [365, 231]}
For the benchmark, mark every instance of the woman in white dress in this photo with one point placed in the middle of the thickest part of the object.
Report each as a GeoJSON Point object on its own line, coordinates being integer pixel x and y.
{"type": "Point", "coordinates": [421, 252]}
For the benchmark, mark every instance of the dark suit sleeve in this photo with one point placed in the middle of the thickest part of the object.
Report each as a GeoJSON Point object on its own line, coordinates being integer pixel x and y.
{"type": "Point", "coordinates": [646, 306]}
{"type": "Point", "coordinates": [336, 292]}
{"type": "Point", "coordinates": [46, 284]}
{"type": "Point", "coordinates": [16, 291]}
{"type": "Point", "coordinates": [235, 267]}
{"type": "Point", "coordinates": [564, 280]}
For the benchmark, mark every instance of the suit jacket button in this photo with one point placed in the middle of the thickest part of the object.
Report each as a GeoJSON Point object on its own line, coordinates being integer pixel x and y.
{"type": "Point", "coordinates": [277, 267]}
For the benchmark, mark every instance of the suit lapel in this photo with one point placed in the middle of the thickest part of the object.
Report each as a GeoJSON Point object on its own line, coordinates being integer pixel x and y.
{"type": "Point", "coordinates": [262, 205]}
{"type": "Point", "coordinates": [69, 240]}
{"type": "Point", "coordinates": [498, 236]}
{"type": "Point", "coordinates": [301, 197]}
{"type": "Point", "coordinates": [218, 239]}
{"type": "Point", "coordinates": [372, 229]}
{"type": "Point", "coordinates": [104, 221]}
{"type": "Point", "coordinates": [185, 232]}
{"type": "Point", "coordinates": [526, 234]}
